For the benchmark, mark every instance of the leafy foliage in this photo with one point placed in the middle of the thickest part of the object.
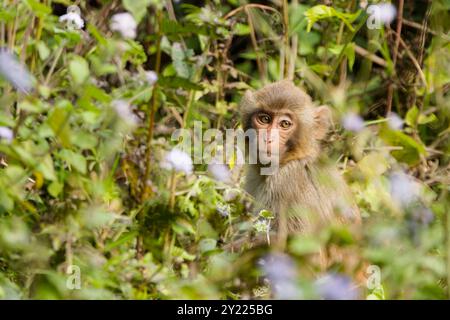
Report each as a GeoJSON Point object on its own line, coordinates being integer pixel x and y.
{"type": "Point", "coordinates": [83, 191]}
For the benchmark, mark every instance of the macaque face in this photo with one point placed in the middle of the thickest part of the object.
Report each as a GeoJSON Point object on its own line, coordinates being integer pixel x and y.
{"type": "Point", "coordinates": [274, 130]}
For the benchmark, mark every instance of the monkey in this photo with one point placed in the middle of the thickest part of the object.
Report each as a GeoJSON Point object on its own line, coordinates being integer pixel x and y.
{"type": "Point", "coordinates": [302, 191]}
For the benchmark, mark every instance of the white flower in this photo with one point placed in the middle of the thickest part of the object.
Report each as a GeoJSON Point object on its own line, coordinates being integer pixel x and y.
{"type": "Point", "coordinates": [178, 160]}
{"type": "Point", "coordinates": [151, 77]}
{"type": "Point", "coordinates": [72, 18]}
{"type": "Point", "coordinates": [220, 171]}
{"type": "Point", "coordinates": [395, 122]}
{"type": "Point", "coordinates": [404, 189]}
{"type": "Point", "coordinates": [223, 209]}
{"type": "Point", "coordinates": [123, 110]}
{"type": "Point", "coordinates": [262, 226]}
{"type": "Point", "coordinates": [14, 72]}
{"type": "Point", "coordinates": [383, 12]}
{"type": "Point", "coordinates": [353, 122]}
{"type": "Point", "coordinates": [7, 134]}
{"type": "Point", "coordinates": [125, 24]}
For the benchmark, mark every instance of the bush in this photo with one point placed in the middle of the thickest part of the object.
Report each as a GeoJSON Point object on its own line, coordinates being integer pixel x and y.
{"type": "Point", "coordinates": [96, 203]}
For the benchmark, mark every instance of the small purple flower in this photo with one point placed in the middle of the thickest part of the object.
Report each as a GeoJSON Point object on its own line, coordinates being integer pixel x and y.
{"type": "Point", "coordinates": [6, 134]}
{"type": "Point", "coordinates": [423, 215]}
{"type": "Point", "coordinates": [336, 287]}
{"type": "Point", "coordinates": [353, 122]}
{"type": "Point", "coordinates": [151, 77]}
{"type": "Point", "coordinates": [223, 209]}
{"type": "Point", "coordinates": [15, 72]}
{"type": "Point", "coordinates": [220, 171]}
{"type": "Point", "coordinates": [281, 272]}
{"type": "Point", "coordinates": [404, 189]}
{"type": "Point", "coordinates": [178, 160]}
{"type": "Point", "coordinates": [123, 110]}
{"type": "Point", "coordinates": [395, 122]}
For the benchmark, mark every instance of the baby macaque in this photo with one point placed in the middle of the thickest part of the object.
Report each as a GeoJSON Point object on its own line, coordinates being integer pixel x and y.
{"type": "Point", "coordinates": [303, 191]}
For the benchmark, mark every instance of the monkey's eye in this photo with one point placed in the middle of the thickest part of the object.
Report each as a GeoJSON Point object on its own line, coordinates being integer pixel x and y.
{"type": "Point", "coordinates": [285, 124]}
{"type": "Point", "coordinates": [264, 118]}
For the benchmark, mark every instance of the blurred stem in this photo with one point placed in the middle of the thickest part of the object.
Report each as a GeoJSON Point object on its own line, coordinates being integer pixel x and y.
{"type": "Point", "coordinates": [55, 61]}
{"type": "Point", "coordinates": [294, 48]}
{"type": "Point", "coordinates": [260, 64]}
{"type": "Point", "coordinates": [146, 190]}
{"type": "Point", "coordinates": [394, 56]}
{"type": "Point", "coordinates": [343, 68]}
{"type": "Point", "coordinates": [12, 32]}
{"type": "Point", "coordinates": [446, 199]}
{"type": "Point", "coordinates": [282, 233]}
{"type": "Point", "coordinates": [341, 54]}
{"type": "Point", "coordinates": [188, 107]}
{"type": "Point", "coordinates": [34, 56]}
{"type": "Point", "coordinates": [173, 187]}
{"type": "Point", "coordinates": [151, 111]}
{"type": "Point", "coordinates": [286, 38]}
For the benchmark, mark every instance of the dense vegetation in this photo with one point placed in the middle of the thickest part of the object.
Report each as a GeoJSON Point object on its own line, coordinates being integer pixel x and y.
{"type": "Point", "coordinates": [93, 204]}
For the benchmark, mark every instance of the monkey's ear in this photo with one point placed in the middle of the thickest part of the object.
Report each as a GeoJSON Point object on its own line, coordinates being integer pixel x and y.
{"type": "Point", "coordinates": [322, 119]}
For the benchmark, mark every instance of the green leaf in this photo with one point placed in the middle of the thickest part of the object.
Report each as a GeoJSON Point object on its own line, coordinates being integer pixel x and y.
{"type": "Point", "coordinates": [303, 245]}
{"type": "Point", "coordinates": [411, 149]}
{"type": "Point", "coordinates": [39, 9]}
{"type": "Point", "coordinates": [178, 56]}
{"type": "Point", "coordinates": [45, 166]}
{"type": "Point", "coordinates": [266, 214]}
{"type": "Point", "coordinates": [411, 116]}
{"type": "Point", "coordinates": [373, 165]}
{"type": "Point", "coordinates": [58, 120]}
{"type": "Point", "coordinates": [84, 140]}
{"type": "Point", "coordinates": [5, 201]}
{"type": "Point", "coordinates": [79, 70]}
{"type": "Point", "coordinates": [177, 82]}
{"type": "Point", "coordinates": [74, 159]}
{"type": "Point", "coordinates": [55, 188]}
{"type": "Point", "coordinates": [241, 29]}
{"type": "Point", "coordinates": [206, 245]}
{"type": "Point", "coordinates": [424, 119]}
{"type": "Point", "coordinates": [138, 8]}
{"type": "Point", "coordinates": [122, 240]}
{"type": "Point", "coordinates": [414, 117]}
{"type": "Point", "coordinates": [43, 50]}
{"type": "Point", "coordinates": [321, 12]}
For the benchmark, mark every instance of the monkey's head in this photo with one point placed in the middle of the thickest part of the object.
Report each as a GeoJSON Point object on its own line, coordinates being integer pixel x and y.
{"type": "Point", "coordinates": [287, 123]}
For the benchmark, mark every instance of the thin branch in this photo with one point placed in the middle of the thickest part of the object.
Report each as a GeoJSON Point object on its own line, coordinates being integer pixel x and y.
{"type": "Point", "coordinates": [395, 53]}
{"type": "Point", "coordinates": [414, 61]}
{"type": "Point", "coordinates": [261, 68]}
{"type": "Point", "coordinates": [286, 37]}
{"type": "Point", "coordinates": [370, 56]}
{"type": "Point", "coordinates": [418, 26]}
{"type": "Point", "coordinates": [245, 7]}
{"type": "Point", "coordinates": [294, 49]}
{"type": "Point", "coordinates": [152, 110]}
